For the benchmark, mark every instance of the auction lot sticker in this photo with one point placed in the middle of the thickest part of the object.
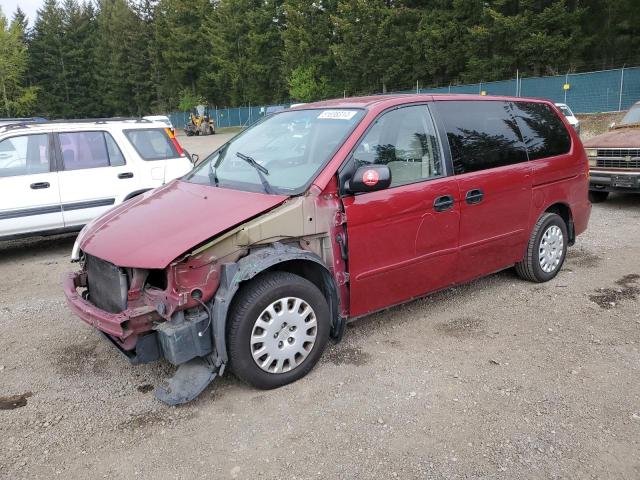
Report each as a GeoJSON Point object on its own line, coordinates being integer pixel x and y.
{"type": "Point", "coordinates": [337, 114]}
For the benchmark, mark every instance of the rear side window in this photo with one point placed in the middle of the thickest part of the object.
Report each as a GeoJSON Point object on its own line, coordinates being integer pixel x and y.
{"type": "Point", "coordinates": [82, 150]}
{"type": "Point", "coordinates": [24, 155]}
{"type": "Point", "coordinates": [152, 144]}
{"type": "Point", "coordinates": [481, 134]}
{"type": "Point", "coordinates": [543, 132]}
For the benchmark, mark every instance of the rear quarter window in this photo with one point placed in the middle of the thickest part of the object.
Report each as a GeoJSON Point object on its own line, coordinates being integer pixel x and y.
{"type": "Point", "coordinates": [152, 143]}
{"type": "Point", "coordinates": [543, 132]}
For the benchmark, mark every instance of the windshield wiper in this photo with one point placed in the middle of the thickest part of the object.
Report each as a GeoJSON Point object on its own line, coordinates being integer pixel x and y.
{"type": "Point", "coordinates": [213, 176]}
{"type": "Point", "coordinates": [262, 171]}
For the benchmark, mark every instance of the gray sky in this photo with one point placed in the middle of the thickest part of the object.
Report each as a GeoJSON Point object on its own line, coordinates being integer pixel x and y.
{"type": "Point", "coordinates": [28, 6]}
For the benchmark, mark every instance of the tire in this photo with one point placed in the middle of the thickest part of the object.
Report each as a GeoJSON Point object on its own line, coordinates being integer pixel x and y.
{"type": "Point", "coordinates": [597, 196]}
{"type": "Point", "coordinates": [249, 313]}
{"type": "Point", "coordinates": [531, 268]}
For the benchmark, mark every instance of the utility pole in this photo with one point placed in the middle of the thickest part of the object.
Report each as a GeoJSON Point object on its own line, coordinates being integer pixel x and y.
{"type": "Point", "coordinates": [621, 87]}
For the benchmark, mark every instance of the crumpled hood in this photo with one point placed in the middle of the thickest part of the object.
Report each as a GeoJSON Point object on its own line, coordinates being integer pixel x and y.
{"type": "Point", "coordinates": [153, 229]}
{"type": "Point", "coordinates": [620, 138]}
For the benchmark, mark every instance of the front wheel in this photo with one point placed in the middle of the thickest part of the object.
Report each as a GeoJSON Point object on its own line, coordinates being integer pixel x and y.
{"type": "Point", "coordinates": [546, 250]}
{"type": "Point", "coordinates": [278, 328]}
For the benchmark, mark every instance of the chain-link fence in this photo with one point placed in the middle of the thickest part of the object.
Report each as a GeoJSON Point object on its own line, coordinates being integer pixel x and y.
{"type": "Point", "coordinates": [590, 92]}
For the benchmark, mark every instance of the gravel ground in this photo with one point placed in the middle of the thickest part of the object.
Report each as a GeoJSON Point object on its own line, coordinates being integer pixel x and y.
{"type": "Point", "coordinates": [499, 378]}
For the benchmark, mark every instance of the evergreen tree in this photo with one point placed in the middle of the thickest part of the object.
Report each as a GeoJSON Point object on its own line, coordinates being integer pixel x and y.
{"type": "Point", "coordinates": [46, 60]}
{"type": "Point", "coordinates": [245, 61]}
{"type": "Point", "coordinates": [16, 100]}
{"type": "Point", "coordinates": [309, 62]}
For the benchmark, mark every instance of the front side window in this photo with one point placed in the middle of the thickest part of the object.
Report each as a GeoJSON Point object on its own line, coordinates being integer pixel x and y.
{"type": "Point", "coordinates": [152, 143]}
{"type": "Point", "coordinates": [404, 139]}
{"type": "Point", "coordinates": [543, 132]}
{"type": "Point", "coordinates": [24, 155]}
{"type": "Point", "coordinates": [81, 150]}
{"type": "Point", "coordinates": [281, 154]}
{"type": "Point", "coordinates": [482, 135]}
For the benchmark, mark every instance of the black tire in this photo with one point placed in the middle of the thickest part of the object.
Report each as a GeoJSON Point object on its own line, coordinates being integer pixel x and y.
{"type": "Point", "coordinates": [597, 197]}
{"type": "Point", "coordinates": [248, 305]}
{"type": "Point", "coordinates": [529, 268]}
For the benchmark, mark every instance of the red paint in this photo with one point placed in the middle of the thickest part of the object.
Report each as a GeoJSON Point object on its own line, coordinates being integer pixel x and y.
{"type": "Point", "coordinates": [399, 247]}
{"type": "Point", "coordinates": [152, 230]}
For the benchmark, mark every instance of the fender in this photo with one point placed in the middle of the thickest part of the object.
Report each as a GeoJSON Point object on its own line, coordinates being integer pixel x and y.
{"type": "Point", "coordinates": [259, 260]}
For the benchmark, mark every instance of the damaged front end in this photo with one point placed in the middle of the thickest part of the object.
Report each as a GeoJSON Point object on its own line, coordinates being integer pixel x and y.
{"type": "Point", "coordinates": [147, 322]}
{"type": "Point", "coordinates": [179, 313]}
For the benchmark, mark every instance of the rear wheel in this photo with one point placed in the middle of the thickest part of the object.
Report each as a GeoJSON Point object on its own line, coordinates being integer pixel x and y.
{"type": "Point", "coordinates": [597, 197]}
{"type": "Point", "coordinates": [546, 249]}
{"type": "Point", "coordinates": [278, 328]}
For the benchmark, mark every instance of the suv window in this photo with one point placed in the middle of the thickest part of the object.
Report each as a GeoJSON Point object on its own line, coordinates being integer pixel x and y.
{"type": "Point", "coordinates": [152, 143]}
{"type": "Point", "coordinates": [544, 133]}
{"type": "Point", "coordinates": [405, 140]}
{"type": "Point", "coordinates": [24, 155]}
{"type": "Point", "coordinates": [81, 150]}
{"type": "Point", "coordinates": [482, 135]}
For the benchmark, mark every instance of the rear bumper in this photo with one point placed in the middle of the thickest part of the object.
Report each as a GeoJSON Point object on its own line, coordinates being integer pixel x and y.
{"type": "Point", "coordinates": [607, 181]}
{"type": "Point", "coordinates": [124, 328]}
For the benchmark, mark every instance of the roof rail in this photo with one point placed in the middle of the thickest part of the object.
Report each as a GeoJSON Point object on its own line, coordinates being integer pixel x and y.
{"type": "Point", "coordinates": [100, 120]}
{"type": "Point", "coordinates": [15, 123]}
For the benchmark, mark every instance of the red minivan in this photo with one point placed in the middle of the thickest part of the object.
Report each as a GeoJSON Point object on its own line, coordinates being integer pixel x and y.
{"type": "Point", "coordinates": [321, 214]}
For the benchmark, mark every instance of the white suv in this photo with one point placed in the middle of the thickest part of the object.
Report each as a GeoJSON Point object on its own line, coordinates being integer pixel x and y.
{"type": "Point", "coordinates": [56, 177]}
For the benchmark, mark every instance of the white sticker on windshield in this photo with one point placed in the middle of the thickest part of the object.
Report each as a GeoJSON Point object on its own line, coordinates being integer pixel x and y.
{"type": "Point", "coordinates": [338, 114]}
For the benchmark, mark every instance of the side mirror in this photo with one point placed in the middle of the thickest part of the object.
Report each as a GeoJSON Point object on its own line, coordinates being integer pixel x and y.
{"type": "Point", "coordinates": [195, 158]}
{"type": "Point", "coordinates": [370, 178]}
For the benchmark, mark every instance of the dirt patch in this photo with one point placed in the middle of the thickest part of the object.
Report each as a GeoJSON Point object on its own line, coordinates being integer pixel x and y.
{"type": "Point", "coordinates": [462, 327]}
{"type": "Point", "coordinates": [78, 358]}
{"type": "Point", "coordinates": [610, 297]}
{"type": "Point", "coordinates": [14, 401]}
{"type": "Point", "coordinates": [583, 258]}
{"type": "Point", "coordinates": [344, 355]}
{"type": "Point", "coordinates": [154, 418]}
{"type": "Point", "coordinates": [145, 388]}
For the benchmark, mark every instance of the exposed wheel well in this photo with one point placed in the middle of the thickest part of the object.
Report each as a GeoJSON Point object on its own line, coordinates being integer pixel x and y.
{"type": "Point", "coordinates": [312, 271]}
{"type": "Point", "coordinates": [317, 275]}
{"type": "Point", "coordinates": [564, 211]}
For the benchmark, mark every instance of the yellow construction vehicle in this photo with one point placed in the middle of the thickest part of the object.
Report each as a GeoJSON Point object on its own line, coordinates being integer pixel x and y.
{"type": "Point", "coordinates": [200, 123]}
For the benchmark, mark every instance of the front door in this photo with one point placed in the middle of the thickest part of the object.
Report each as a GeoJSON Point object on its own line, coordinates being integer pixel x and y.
{"type": "Point", "coordinates": [29, 193]}
{"type": "Point", "coordinates": [94, 175]}
{"type": "Point", "coordinates": [402, 241]}
{"type": "Point", "coordinates": [494, 183]}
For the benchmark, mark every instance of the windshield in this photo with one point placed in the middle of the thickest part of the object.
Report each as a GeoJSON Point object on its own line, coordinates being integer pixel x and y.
{"type": "Point", "coordinates": [632, 116]}
{"type": "Point", "coordinates": [280, 154]}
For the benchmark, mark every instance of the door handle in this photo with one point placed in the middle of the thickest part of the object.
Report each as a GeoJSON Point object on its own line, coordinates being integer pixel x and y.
{"type": "Point", "coordinates": [125, 175]}
{"type": "Point", "coordinates": [474, 196]}
{"type": "Point", "coordinates": [39, 185]}
{"type": "Point", "coordinates": [443, 203]}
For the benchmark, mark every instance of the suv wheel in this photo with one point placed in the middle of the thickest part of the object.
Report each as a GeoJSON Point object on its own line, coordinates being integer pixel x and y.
{"type": "Point", "coordinates": [597, 196]}
{"type": "Point", "coordinates": [546, 249]}
{"type": "Point", "coordinates": [279, 327]}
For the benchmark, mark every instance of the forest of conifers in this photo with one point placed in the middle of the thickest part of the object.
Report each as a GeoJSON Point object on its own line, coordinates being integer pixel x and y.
{"type": "Point", "coordinates": [126, 57]}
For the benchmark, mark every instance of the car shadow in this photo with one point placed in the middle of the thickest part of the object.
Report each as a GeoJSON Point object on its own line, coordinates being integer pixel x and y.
{"type": "Point", "coordinates": [621, 200]}
{"type": "Point", "coordinates": [15, 250]}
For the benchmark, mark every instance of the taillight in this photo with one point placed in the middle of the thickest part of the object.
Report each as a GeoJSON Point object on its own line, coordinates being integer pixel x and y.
{"type": "Point", "coordinates": [175, 142]}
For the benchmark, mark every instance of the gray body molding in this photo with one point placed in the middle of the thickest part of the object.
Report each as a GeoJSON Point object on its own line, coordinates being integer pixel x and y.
{"type": "Point", "coordinates": [259, 260]}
